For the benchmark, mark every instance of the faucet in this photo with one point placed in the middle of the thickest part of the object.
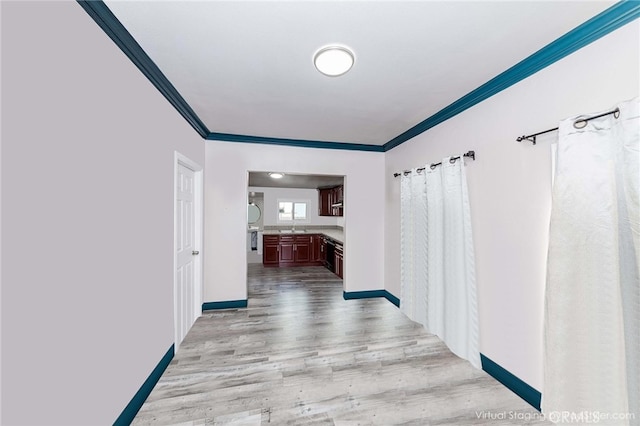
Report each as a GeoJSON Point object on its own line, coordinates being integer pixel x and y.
{"type": "Point", "coordinates": [293, 227]}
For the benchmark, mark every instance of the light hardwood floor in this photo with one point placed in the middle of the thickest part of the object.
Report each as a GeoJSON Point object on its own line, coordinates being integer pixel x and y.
{"type": "Point", "coordinates": [300, 354]}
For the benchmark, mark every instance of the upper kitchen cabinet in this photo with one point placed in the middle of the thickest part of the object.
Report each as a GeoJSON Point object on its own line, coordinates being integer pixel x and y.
{"type": "Point", "coordinates": [330, 201]}
{"type": "Point", "coordinates": [336, 205]}
{"type": "Point", "coordinates": [324, 202]}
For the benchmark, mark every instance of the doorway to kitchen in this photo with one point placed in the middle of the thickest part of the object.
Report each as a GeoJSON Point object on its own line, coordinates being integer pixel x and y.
{"type": "Point", "coordinates": [296, 220]}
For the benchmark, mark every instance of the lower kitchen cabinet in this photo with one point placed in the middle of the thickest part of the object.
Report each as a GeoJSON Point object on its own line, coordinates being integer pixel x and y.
{"type": "Point", "coordinates": [339, 260]}
{"type": "Point", "coordinates": [323, 250]}
{"type": "Point", "coordinates": [270, 250]}
{"type": "Point", "coordinates": [317, 250]}
{"type": "Point", "coordinates": [303, 250]}
{"type": "Point", "coordinates": [287, 253]}
{"type": "Point", "coordinates": [290, 250]}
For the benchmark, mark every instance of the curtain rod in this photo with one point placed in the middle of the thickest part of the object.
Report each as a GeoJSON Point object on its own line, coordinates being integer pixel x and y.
{"type": "Point", "coordinates": [470, 154]}
{"type": "Point", "coordinates": [578, 124]}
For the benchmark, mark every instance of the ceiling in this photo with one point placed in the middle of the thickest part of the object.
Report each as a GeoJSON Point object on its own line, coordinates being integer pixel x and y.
{"type": "Point", "coordinates": [245, 67]}
{"type": "Point", "coordinates": [262, 179]}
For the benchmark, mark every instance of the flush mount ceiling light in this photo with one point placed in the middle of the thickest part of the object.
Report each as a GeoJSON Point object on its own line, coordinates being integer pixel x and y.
{"type": "Point", "coordinates": [276, 175]}
{"type": "Point", "coordinates": [333, 60]}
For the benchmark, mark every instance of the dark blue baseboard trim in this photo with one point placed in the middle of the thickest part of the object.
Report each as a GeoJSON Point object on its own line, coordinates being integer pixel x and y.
{"type": "Point", "coordinates": [391, 298]}
{"type": "Point", "coordinates": [369, 294]}
{"type": "Point", "coordinates": [517, 386]}
{"type": "Point", "coordinates": [348, 295]}
{"type": "Point", "coordinates": [227, 304]}
{"type": "Point", "coordinates": [130, 411]}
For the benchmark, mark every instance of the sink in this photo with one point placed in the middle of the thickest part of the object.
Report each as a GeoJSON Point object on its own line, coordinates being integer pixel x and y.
{"type": "Point", "coordinates": [293, 231]}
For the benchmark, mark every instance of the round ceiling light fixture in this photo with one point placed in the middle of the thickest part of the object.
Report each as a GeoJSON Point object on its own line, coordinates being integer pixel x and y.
{"type": "Point", "coordinates": [333, 60]}
{"type": "Point", "coordinates": [276, 175]}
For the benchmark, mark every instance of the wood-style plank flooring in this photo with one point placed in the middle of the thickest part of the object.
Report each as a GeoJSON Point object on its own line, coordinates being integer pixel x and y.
{"type": "Point", "coordinates": [301, 355]}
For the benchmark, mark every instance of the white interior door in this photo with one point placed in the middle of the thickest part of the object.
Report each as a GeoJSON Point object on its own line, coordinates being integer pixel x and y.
{"type": "Point", "coordinates": [187, 282]}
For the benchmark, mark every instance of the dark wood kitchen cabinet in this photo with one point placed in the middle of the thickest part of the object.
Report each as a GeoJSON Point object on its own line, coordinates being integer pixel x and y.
{"type": "Point", "coordinates": [287, 249]}
{"type": "Point", "coordinates": [339, 260]}
{"type": "Point", "coordinates": [327, 200]}
{"type": "Point", "coordinates": [291, 250]}
{"type": "Point", "coordinates": [336, 201]}
{"type": "Point", "coordinates": [317, 249]}
{"type": "Point", "coordinates": [270, 250]}
{"type": "Point", "coordinates": [302, 248]}
{"type": "Point", "coordinates": [323, 250]}
{"type": "Point", "coordinates": [339, 194]}
{"type": "Point", "coordinates": [324, 202]}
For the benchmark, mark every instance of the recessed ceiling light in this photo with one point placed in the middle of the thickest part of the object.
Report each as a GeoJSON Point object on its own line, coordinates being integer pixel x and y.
{"type": "Point", "coordinates": [333, 60]}
{"type": "Point", "coordinates": [276, 175]}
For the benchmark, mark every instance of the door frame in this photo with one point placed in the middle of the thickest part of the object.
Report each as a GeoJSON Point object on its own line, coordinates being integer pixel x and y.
{"type": "Point", "coordinates": [198, 208]}
{"type": "Point", "coordinates": [345, 185]}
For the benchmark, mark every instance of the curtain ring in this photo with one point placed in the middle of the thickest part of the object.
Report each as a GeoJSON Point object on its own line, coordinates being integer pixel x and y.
{"type": "Point", "coordinates": [452, 160]}
{"type": "Point", "coordinates": [432, 166]}
{"type": "Point", "coordinates": [616, 113]}
{"type": "Point", "coordinates": [580, 124]}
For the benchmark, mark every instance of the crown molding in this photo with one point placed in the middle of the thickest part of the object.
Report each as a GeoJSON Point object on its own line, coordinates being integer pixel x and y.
{"type": "Point", "coordinates": [227, 137]}
{"type": "Point", "coordinates": [600, 25]}
{"type": "Point", "coordinates": [110, 24]}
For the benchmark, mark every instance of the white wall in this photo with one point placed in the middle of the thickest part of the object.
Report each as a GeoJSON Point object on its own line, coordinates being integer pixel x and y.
{"type": "Point", "coordinates": [225, 210]}
{"type": "Point", "coordinates": [87, 218]}
{"type": "Point", "coordinates": [509, 187]}
{"type": "Point", "coordinates": [272, 195]}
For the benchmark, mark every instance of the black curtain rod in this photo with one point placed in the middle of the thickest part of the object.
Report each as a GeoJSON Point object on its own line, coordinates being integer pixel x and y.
{"type": "Point", "coordinates": [470, 154]}
{"type": "Point", "coordinates": [578, 124]}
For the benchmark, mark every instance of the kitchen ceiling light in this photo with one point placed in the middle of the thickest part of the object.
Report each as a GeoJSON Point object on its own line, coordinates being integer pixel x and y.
{"type": "Point", "coordinates": [276, 175]}
{"type": "Point", "coordinates": [333, 60]}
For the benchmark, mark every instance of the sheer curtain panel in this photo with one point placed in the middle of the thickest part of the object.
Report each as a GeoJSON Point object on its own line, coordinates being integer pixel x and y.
{"type": "Point", "coordinates": [438, 288]}
{"type": "Point", "coordinates": [592, 300]}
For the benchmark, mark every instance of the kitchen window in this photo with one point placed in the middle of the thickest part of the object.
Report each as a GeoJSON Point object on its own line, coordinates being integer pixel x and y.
{"type": "Point", "coordinates": [292, 211]}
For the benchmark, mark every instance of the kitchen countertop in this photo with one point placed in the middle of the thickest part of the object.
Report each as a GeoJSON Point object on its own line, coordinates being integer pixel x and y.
{"type": "Point", "coordinates": [333, 233]}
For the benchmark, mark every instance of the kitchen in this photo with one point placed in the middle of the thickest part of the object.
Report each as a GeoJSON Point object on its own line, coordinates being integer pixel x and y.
{"type": "Point", "coordinates": [296, 220]}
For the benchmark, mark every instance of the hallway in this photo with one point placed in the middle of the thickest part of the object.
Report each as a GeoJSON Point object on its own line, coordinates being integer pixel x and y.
{"type": "Point", "coordinates": [300, 354]}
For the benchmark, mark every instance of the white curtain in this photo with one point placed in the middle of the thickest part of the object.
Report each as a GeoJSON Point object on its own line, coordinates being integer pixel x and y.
{"type": "Point", "coordinates": [438, 286]}
{"type": "Point", "coordinates": [592, 306]}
